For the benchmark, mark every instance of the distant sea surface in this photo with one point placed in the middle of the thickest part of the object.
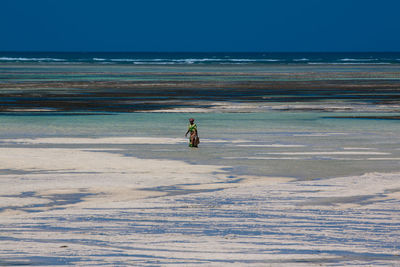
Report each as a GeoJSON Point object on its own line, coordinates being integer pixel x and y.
{"type": "Point", "coordinates": [163, 58]}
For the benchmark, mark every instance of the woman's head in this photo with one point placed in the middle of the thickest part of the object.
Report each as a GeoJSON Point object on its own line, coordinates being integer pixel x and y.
{"type": "Point", "coordinates": [191, 120]}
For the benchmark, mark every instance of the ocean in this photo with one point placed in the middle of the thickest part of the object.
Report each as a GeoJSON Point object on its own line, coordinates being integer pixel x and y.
{"type": "Point", "coordinates": [164, 58]}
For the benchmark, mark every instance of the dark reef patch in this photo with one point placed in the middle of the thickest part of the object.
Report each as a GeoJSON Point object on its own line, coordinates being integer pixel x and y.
{"type": "Point", "coordinates": [97, 92]}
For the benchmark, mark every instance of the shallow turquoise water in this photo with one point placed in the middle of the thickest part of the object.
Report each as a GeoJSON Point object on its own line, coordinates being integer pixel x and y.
{"type": "Point", "coordinates": [304, 145]}
{"type": "Point", "coordinates": [230, 126]}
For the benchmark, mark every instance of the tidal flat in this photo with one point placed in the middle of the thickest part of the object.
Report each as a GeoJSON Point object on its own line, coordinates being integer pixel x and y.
{"type": "Point", "coordinates": [298, 165]}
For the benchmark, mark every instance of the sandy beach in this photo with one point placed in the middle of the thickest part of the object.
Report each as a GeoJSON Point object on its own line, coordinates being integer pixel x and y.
{"type": "Point", "coordinates": [96, 207]}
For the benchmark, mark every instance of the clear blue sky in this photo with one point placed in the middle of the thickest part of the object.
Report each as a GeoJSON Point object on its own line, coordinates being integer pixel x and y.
{"type": "Point", "coordinates": [206, 25]}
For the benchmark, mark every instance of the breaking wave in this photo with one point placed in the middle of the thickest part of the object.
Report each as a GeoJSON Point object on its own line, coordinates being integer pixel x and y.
{"type": "Point", "coordinates": [199, 58]}
{"type": "Point", "coordinates": [30, 59]}
{"type": "Point", "coordinates": [358, 59]}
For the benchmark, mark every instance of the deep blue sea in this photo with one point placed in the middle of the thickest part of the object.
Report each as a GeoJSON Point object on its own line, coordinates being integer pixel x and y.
{"type": "Point", "coordinates": [164, 58]}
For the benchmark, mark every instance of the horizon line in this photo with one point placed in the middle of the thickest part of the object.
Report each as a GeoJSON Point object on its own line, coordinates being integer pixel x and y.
{"type": "Point", "coordinates": [99, 51]}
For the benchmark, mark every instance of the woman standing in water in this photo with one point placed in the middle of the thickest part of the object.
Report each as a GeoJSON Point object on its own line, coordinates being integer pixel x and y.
{"type": "Point", "coordinates": [194, 137]}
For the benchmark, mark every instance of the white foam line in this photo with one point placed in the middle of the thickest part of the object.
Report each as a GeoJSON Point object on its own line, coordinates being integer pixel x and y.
{"type": "Point", "coordinates": [207, 140]}
{"type": "Point", "coordinates": [347, 159]}
{"type": "Point", "coordinates": [239, 141]}
{"type": "Point", "coordinates": [383, 158]}
{"type": "Point", "coordinates": [358, 59]}
{"type": "Point", "coordinates": [273, 145]}
{"type": "Point", "coordinates": [348, 63]}
{"type": "Point", "coordinates": [320, 134]}
{"type": "Point", "coordinates": [330, 153]}
{"type": "Point", "coordinates": [106, 140]}
{"type": "Point", "coordinates": [30, 59]}
{"type": "Point", "coordinates": [305, 158]}
{"type": "Point", "coordinates": [266, 158]}
{"type": "Point", "coordinates": [112, 140]}
{"type": "Point", "coordinates": [178, 110]}
{"type": "Point", "coordinates": [358, 148]}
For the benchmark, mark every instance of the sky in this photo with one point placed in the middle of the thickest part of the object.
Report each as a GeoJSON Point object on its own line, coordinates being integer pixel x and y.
{"type": "Point", "coordinates": [200, 26]}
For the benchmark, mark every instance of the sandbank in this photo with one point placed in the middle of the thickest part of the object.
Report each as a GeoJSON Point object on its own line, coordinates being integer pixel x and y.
{"type": "Point", "coordinates": [79, 206]}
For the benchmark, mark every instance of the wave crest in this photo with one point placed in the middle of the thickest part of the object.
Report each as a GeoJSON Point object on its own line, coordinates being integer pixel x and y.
{"type": "Point", "coordinates": [30, 59]}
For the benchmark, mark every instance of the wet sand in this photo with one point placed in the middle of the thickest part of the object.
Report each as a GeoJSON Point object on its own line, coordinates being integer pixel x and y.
{"type": "Point", "coordinates": [72, 205]}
